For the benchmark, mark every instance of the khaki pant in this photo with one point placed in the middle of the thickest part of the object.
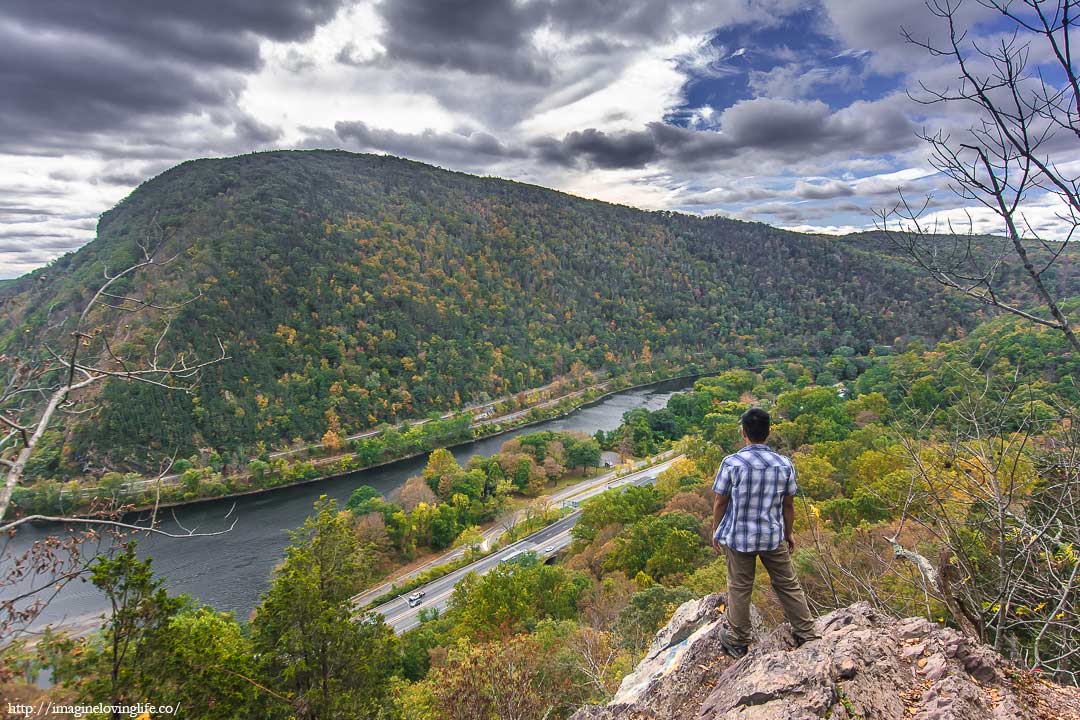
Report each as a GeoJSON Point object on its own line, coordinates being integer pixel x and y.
{"type": "Point", "coordinates": [740, 575]}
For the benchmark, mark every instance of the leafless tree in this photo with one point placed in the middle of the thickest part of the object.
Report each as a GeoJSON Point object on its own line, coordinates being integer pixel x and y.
{"type": "Point", "coordinates": [998, 497]}
{"type": "Point", "coordinates": [53, 380]}
{"type": "Point", "coordinates": [414, 492]}
{"type": "Point", "coordinates": [596, 656]}
{"type": "Point", "coordinates": [859, 566]}
{"type": "Point", "coordinates": [1000, 502]}
{"type": "Point", "coordinates": [1024, 94]}
{"type": "Point", "coordinates": [509, 524]}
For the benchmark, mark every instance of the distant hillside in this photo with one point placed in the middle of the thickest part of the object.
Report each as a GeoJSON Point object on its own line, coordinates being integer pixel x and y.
{"type": "Point", "coordinates": [374, 288]}
{"type": "Point", "coordinates": [976, 254]}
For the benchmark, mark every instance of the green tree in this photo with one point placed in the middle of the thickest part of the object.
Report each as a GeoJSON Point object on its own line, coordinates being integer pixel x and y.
{"type": "Point", "coordinates": [364, 499]}
{"type": "Point", "coordinates": [415, 658]}
{"type": "Point", "coordinates": [203, 660]}
{"type": "Point", "coordinates": [113, 667]}
{"type": "Point", "coordinates": [444, 526]}
{"type": "Point", "coordinates": [583, 453]}
{"type": "Point", "coordinates": [681, 475]}
{"type": "Point", "coordinates": [441, 471]}
{"type": "Point", "coordinates": [258, 469]}
{"type": "Point", "coordinates": [659, 545]}
{"type": "Point", "coordinates": [514, 596]}
{"type": "Point", "coordinates": [47, 456]}
{"type": "Point", "coordinates": [621, 505]}
{"type": "Point", "coordinates": [529, 677]}
{"type": "Point", "coordinates": [816, 476]}
{"type": "Point", "coordinates": [310, 647]}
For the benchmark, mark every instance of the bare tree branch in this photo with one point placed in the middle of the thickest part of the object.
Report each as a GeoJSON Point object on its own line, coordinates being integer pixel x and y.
{"type": "Point", "coordinates": [1001, 161]}
{"type": "Point", "coordinates": [36, 391]}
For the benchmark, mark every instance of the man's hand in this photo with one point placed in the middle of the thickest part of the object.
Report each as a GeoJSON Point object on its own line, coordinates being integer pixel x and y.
{"type": "Point", "coordinates": [719, 507]}
{"type": "Point", "coordinates": [789, 522]}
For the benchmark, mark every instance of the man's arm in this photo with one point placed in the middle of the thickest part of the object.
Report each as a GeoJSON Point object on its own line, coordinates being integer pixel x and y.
{"type": "Point", "coordinates": [789, 521]}
{"type": "Point", "coordinates": [719, 507]}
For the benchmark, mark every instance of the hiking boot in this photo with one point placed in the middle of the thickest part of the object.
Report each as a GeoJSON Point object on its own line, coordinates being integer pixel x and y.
{"type": "Point", "coordinates": [731, 647]}
{"type": "Point", "coordinates": [800, 641]}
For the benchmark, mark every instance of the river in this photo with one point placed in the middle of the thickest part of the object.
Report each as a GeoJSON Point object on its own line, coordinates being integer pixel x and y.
{"type": "Point", "coordinates": [231, 571]}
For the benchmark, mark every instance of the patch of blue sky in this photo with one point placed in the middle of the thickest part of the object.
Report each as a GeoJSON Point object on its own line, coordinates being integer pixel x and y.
{"type": "Point", "coordinates": [734, 63]}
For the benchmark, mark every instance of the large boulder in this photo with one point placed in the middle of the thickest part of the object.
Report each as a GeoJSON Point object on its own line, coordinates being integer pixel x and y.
{"type": "Point", "coordinates": [864, 666]}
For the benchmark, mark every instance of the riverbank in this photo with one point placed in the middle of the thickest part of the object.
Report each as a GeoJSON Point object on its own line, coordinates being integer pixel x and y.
{"type": "Point", "coordinates": [202, 485]}
{"type": "Point", "coordinates": [230, 571]}
{"type": "Point", "coordinates": [499, 428]}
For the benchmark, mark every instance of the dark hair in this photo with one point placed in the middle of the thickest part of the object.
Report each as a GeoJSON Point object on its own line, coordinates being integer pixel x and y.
{"type": "Point", "coordinates": [755, 423]}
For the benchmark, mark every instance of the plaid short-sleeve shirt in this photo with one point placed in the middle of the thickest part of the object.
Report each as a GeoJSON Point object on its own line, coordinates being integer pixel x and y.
{"type": "Point", "coordinates": [757, 480]}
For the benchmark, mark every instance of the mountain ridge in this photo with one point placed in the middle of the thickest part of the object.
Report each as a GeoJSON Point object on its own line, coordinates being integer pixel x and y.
{"type": "Point", "coordinates": [355, 290]}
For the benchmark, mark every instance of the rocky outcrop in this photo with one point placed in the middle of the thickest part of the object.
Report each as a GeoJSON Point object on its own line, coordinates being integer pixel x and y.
{"type": "Point", "coordinates": [864, 666]}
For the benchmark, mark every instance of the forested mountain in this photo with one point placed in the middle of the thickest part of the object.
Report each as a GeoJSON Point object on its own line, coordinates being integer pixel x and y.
{"type": "Point", "coordinates": [360, 289]}
{"type": "Point", "coordinates": [989, 257]}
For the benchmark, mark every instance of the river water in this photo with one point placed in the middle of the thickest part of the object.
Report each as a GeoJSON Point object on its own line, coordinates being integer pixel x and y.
{"type": "Point", "coordinates": [232, 570]}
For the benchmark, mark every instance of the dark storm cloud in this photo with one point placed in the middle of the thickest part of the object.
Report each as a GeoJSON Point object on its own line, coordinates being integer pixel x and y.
{"type": "Point", "coordinates": [82, 85]}
{"type": "Point", "coordinates": [762, 128]}
{"type": "Point", "coordinates": [11, 192]}
{"type": "Point", "coordinates": [42, 216]}
{"type": "Point", "coordinates": [477, 36]}
{"type": "Point", "coordinates": [494, 37]}
{"type": "Point", "coordinates": [473, 149]}
{"type": "Point", "coordinates": [254, 133]}
{"type": "Point", "coordinates": [779, 212]}
{"type": "Point", "coordinates": [18, 210]}
{"type": "Point", "coordinates": [600, 149]}
{"type": "Point", "coordinates": [58, 239]}
{"type": "Point", "coordinates": [781, 129]}
{"type": "Point", "coordinates": [31, 257]}
{"type": "Point", "coordinates": [120, 178]}
{"type": "Point", "coordinates": [203, 32]}
{"type": "Point", "coordinates": [35, 247]}
{"type": "Point", "coordinates": [72, 69]}
{"type": "Point", "coordinates": [728, 196]}
{"type": "Point", "coordinates": [631, 19]}
{"type": "Point", "coordinates": [348, 55]}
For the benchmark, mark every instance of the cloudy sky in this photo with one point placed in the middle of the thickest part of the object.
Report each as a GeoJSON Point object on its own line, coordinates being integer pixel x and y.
{"type": "Point", "coordinates": [789, 112]}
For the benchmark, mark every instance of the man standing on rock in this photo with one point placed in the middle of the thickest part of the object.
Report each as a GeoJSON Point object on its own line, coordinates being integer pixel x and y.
{"type": "Point", "coordinates": [753, 514]}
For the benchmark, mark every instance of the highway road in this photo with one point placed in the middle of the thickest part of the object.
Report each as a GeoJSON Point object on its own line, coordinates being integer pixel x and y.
{"type": "Point", "coordinates": [545, 543]}
{"type": "Point", "coordinates": [575, 492]}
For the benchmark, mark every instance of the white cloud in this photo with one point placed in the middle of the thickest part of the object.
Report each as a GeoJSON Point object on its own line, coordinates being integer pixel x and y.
{"type": "Point", "coordinates": [49, 206]}
{"type": "Point", "coordinates": [1046, 217]}
{"type": "Point", "coordinates": [642, 90]}
{"type": "Point", "coordinates": [326, 89]}
{"type": "Point", "coordinates": [828, 229]}
{"type": "Point", "coordinates": [892, 182]}
{"type": "Point", "coordinates": [604, 80]}
{"type": "Point", "coordinates": [639, 188]}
